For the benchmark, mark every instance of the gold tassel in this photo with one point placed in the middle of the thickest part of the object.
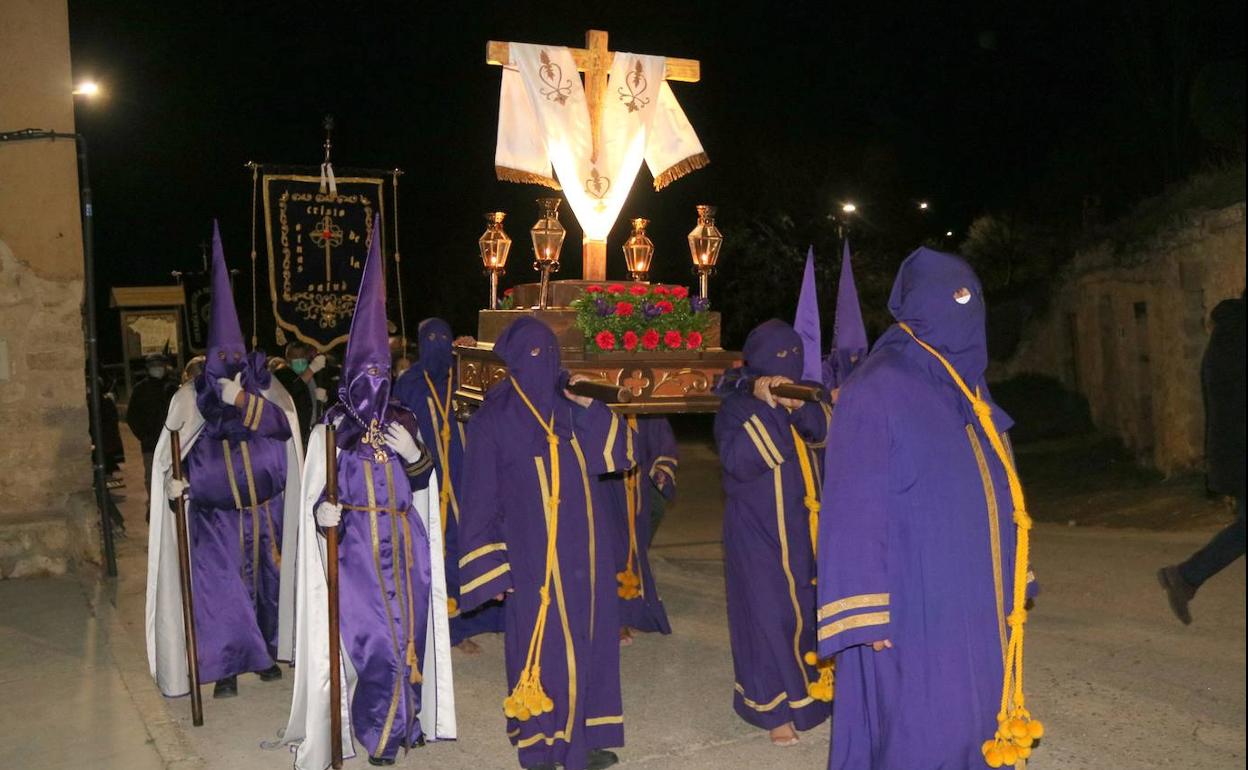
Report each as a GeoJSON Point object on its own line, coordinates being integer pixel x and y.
{"type": "Point", "coordinates": [683, 168]}
{"type": "Point", "coordinates": [505, 174]}
{"type": "Point", "coordinates": [414, 662]}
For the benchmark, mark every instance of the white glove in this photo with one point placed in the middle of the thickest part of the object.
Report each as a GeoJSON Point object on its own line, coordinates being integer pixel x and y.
{"type": "Point", "coordinates": [402, 443]}
{"type": "Point", "coordinates": [317, 364]}
{"type": "Point", "coordinates": [322, 395]}
{"type": "Point", "coordinates": [230, 389]}
{"type": "Point", "coordinates": [175, 488]}
{"type": "Point", "coordinates": [328, 514]}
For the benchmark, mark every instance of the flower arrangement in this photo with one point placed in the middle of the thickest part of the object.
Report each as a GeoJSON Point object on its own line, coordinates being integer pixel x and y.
{"type": "Point", "coordinates": [641, 317]}
{"type": "Point", "coordinates": [508, 302]}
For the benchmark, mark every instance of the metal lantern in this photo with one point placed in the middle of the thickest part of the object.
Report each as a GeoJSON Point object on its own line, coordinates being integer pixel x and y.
{"type": "Point", "coordinates": [548, 237]}
{"type": "Point", "coordinates": [705, 241]}
{"type": "Point", "coordinates": [639, 250]}
{"type": "Point", "coordinates": [494, 245]}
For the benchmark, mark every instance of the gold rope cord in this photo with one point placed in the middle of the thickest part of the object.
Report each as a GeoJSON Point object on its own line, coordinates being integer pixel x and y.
{"type": "Point", "coordinates": [398, 274]}
{"type": "Point", "coordinates": [822, 688]}
{"type": "Point", "coordinates": [629, 580]}
{"type": "Point", "coordinates": [1016, 730]}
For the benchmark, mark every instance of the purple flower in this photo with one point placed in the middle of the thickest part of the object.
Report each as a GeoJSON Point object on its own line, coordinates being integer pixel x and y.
{"type": "Point", "coordinates": [604, 308]}
{"type": "Point", "coordinates": [699, 304]}
{"type": "Point", "coordinates": [649, 310]}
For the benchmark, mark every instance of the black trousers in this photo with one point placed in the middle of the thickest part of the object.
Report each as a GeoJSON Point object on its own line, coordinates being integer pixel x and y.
{"type": "Point", "coordinates": [1218, 553]}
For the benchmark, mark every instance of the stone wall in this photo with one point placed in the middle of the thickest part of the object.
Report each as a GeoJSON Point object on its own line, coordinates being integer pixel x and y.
{"type": "Point", "coordinates": [1127, 329]}
{"type": "Point", "coordinates": [46, 509]}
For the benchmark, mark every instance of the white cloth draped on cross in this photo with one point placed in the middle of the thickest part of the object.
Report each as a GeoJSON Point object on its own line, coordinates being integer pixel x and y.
{"type": "Point", "coordinates": [544, 120]}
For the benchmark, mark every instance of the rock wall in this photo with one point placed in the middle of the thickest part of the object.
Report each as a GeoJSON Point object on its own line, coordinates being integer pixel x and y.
{"type": "Point", "coordinates": [46, 510]}
{"type": "Point", "coordinates": [1127, 328]}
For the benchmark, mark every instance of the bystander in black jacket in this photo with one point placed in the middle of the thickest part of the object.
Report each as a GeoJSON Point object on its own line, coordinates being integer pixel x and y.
{"type": "Point", "coordinates": [149, 403]}
{"type": "Point", "coordinates": [300, 394]}
{"type": "Point", "coordinates": [1223, 383]}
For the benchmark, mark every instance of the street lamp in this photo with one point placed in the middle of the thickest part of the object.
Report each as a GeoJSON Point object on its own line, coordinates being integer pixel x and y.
{"type": "Point", "coordinates": [848, 208]}
{"type": "Point", "coordinates": [923, 206]}
{"type": "Point", "coordinates": [87, 88]}
{"type": "Point", "coordinates": [948, 233]}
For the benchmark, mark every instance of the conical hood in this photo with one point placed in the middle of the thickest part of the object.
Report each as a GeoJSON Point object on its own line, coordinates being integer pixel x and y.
{"type": "Point", "coordinates": [849, 335]}
{"type": "Point", "coordinates": [806, 322]}
{"type": "Point", "coordinates": [365, 382]}
{"type": "Point", "coordinates": [225, 349]}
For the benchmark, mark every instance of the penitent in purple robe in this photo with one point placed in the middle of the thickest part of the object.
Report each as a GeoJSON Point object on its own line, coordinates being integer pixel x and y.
{"type": "Point", "coordinates": [916, 542]}
{"type": "Point", "coordinates": [768, 556]}
{"type": "Point", "coordinates": [653, 449]}
{"type": "Point", "coordinates": [505, 526]}
{"type": "Point", "coordinates": [426, 389]}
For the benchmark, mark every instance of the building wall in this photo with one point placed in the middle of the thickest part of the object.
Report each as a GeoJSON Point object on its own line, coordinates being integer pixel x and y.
{"type": "Point", "coordinates": [46, 509]}
{"type": "Point", "coordinates": [1127, 329]}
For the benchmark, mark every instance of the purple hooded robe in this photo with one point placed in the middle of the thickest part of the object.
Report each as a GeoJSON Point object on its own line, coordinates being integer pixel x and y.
{"type": "Point", "coordinates": [768, 556]}
{"type": "Point", "coordinates": [427, 389]}
{"type": "Point", "coordinates": [383, 549]}
{"type": "Point", "coordinates": [916, 543]}
{"type": "Point", "coordinates": [504, 537]}
{"type": "Point", "coordinates": [237, 474]}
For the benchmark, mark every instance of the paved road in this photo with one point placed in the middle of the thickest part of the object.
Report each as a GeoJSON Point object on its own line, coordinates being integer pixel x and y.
{"type": "Point", "coordinates": [1118, 682]}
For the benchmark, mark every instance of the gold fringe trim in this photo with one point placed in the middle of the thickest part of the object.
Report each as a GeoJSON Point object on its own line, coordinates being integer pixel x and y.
{"type": "Point", "coordinates": [686, 166]}
{"type": "Point", "coordinates": [525, 177]}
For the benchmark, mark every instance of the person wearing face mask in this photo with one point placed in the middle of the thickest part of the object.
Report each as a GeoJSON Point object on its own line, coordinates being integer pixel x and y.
{"type": "Point", "coordinates": [395, 644]}
{"type": "Point", "coordinates": [427, 388]}
{"type": "Point", "coordinates": [535, 528]}
{"type": "Point", "coordinates": [922, 566]}
{"type": "Point", "coordinates": [298, 377]}
{"type": "Point", "coordinates": [767, 447]}
{"type": "Point", "coordinates": [241, 460]}
{"type": "Point", "coordinates": [145, 413]}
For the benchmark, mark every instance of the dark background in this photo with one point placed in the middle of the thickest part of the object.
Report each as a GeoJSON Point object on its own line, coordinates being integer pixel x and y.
{"type": "Point", "coordinates": [1038, 110]}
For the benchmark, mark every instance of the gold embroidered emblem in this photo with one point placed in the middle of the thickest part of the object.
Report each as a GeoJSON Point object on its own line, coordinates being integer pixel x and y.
{"type": "Point", "coordinates": [557, 89]}
{"type": "Point", "coordinates": [634, 86]}
{"type": "Point", "coordinates": [597, 187]}
{"type": "Point", "coordinates": [373, 437]}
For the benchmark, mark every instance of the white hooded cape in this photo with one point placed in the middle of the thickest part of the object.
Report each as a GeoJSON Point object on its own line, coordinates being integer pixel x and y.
{"type": "Point", "coordinates": [309, 710]}
{"type": "Point", "coordinates": [166, 639]}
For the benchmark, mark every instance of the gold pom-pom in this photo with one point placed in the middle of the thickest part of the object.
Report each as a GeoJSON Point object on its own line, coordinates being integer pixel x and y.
{"type": "Point", "coordinates": [548, 705]}
{"type": "Point", "coordinates": [993, 756]}
{"type": "Point", "coordinates": [522, 714]}
{"type": "Point", "coordinates": [1035, 729]}
{"type": "Point", "coordinates": [452, 606]}
{"type": "Point", "coordinates": [1018, 728]}
{"type": "Point", "coordinates": [1009, 755]}
{"type": "Point", "coordinates": [1024, 752]}
{"type": "Point", "coordinates": [811, 658]}
{"type": "Point", "coordinates": [509, 707]}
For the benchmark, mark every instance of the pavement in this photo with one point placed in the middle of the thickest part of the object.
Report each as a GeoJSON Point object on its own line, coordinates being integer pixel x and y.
{"type": "Point", "coordinates": [1116, 679]}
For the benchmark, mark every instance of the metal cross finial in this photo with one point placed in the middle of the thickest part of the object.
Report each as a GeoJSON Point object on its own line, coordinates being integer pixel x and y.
{"type": "Point", "coordinates": [328, 124]}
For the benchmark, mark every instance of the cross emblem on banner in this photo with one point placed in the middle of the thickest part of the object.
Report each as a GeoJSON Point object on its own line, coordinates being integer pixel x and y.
{"type": "Point", "coordinates": [327, 235]}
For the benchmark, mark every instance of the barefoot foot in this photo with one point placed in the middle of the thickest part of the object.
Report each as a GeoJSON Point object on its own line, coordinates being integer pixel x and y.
{"type": "Point", "coordinates": [469, 647]}
{"type": "Point", "coordinates": [784, 735]}
{"type": "Point", "coordinates": [626, 636]}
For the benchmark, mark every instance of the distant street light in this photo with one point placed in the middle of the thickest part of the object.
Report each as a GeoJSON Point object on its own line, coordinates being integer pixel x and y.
{"type": "Point", "coordinates": [923, 206]}
{"type": "Point", "coordinates": [848, 208]}
{"type": "Point", "coordinates": [87, 88]}
{"type": "Point", "coordinates": [948, 233]}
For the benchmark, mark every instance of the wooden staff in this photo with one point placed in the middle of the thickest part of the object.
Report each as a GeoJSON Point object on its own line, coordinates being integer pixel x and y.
{"type": "Point", "coordinates": [184, 571]}
{"type": "Point", "coordinates": [331, 553]}
{"type": "Point", "coordinates": [798, 392]}
{"type": "Point", "coordinates": [601, 391]}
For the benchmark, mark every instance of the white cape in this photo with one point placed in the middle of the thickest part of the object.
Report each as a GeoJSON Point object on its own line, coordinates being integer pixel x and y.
{"type": "Point", "coordinates": [166, 639]}
{"type": "Point", "coordinates": [309, 709]}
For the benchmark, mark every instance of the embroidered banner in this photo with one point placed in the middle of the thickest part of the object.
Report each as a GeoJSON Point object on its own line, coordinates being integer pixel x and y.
{"type": "Point", "coordinates": [317, 243]}
{"type": "Point", "coordinates": [198, 310]}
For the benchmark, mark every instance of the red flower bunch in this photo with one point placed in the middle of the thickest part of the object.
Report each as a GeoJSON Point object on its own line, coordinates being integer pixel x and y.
{"type": "Point", "coordinates": [650, 340]}
{"type": "Point", "coordinates": [615, 288]}
{"type": "Point", "coordinates": [664, 306]}
{"type": "Point", "coordinates": [593, 288]}
{"type": "Point", "coordinates": [637, 290]}
{"type": "Point", "coordinates": [672, 339]}
{"type": "Point", "coordinates": [605, 340]}
{"type": "Point", "coordinates": [680, 292]}
{"type": "Point", "coordinates": [662, 291]}
{"type": "Point", "coordinates": [508, 292]}
{"type": "Point", "coordinates": [623, 309]}
{"type": "Point", "coordinates": [630, 340]}
{"type": "Point", "coordinates": [694, 340]}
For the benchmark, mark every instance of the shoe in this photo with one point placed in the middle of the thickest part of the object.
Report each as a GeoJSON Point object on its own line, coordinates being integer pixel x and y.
{"type": "Point", "coordinates": [543, 766]}
{"type": "Point", "coordinates": [1178, 592]}
{"type": "Point", "coordinates": [272, 673]}
{"type": "Point", "coordinates": [380, 761]}
{"type": "Point", "coordinates": [601, 758]}
{"type": "Point", "coordinates": [226, 688]}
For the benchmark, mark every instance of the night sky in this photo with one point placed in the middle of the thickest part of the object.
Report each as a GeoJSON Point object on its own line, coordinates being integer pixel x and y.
{"type": "Point", "coordinates": [801, 106]}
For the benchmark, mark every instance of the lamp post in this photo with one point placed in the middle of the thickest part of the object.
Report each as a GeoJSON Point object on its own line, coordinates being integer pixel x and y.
{"type": "Point", "coordinates": [705, 241]}
{"type": "Point", "coordinates": [547, 235]}
{"type": "Point", "coordinates": [639, 251]}
{"type": "Point", "coordinates": [494, 245]}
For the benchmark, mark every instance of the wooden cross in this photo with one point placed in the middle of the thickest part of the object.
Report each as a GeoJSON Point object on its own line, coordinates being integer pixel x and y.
{"type": "Point", "coordinates": [595, 61]}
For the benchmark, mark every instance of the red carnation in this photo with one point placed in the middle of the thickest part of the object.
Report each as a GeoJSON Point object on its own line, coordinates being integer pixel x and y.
{"type": "Point", "coordinates": [593, 288]}
{"type": "Point", "coordinates": [638, 290]}
{"type": "Point", "coordinates": [630, 340]}
{"type": "Point", "coordinates": [508, 292]}
{"type": "Point", "coordinates": [694, 340]}
{"type": "Point", "coordinates": [672, 339]}
{"type": "Point", "coordinates": [662, 291]}
{"type": "Point", "coordinates": [615, 288]}
{"type": "Point", "coordinates": [664, 306]}
{"type": "Point", "coordinates": [680, 292]}
{"type": "Point", "coordinates": [605, 340]}
{"type": "Point", "coordinates": [623, 309]}
{"type": "Point", "coordinates": [650, 340]}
